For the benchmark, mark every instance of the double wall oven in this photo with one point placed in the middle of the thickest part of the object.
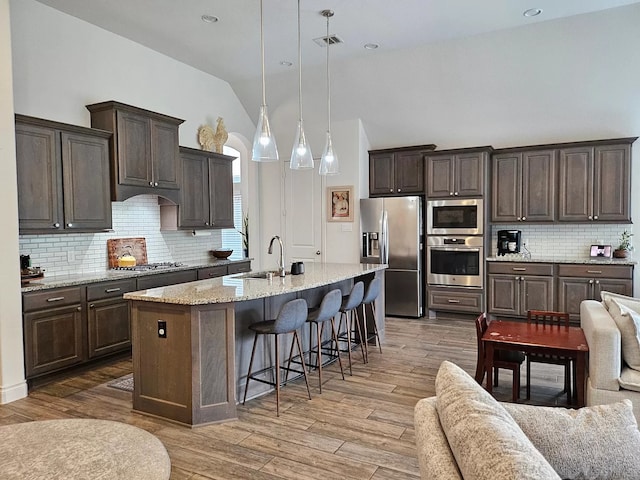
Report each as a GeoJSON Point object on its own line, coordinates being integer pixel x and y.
{"type": "Point", "coordinates": [455, 244]}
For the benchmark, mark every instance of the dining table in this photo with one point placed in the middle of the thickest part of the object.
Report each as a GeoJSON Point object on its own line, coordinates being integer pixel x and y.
{"type": "Point", "coordinates": [560, 340]}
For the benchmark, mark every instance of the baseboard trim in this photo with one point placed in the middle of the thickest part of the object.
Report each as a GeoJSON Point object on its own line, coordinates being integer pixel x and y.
{"type": "Point", "coordinates": [14, 392]}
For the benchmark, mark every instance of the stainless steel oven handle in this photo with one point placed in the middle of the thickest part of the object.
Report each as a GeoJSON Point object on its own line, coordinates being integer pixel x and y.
{"type": "Point", "coordinates": [454, 249]}
{"type": "Point", "coordinates": [385, 237]}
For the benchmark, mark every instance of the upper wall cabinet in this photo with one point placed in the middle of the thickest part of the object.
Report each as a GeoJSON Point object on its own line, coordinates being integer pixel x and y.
{"type": "Point", "coordinates": [397, 171]}
{"type": "Point", "coordinates": [523, 184]}
{"type": "Point", "coordinates": [63, 177]}
{"type": "Point", "coordinates": [595, 182]}
{"type": "Point", "coordinates": [144, 150]}
{"type": "Point", "coordinates": [456, 173]}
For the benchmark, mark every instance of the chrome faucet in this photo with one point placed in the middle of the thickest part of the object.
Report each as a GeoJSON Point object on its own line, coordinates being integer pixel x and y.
{"type": "Point", "coordinates": [281, 270]}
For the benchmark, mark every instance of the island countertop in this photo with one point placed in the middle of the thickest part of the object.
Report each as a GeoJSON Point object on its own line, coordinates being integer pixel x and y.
{"type": "Point", "coordinates": [241, 287]}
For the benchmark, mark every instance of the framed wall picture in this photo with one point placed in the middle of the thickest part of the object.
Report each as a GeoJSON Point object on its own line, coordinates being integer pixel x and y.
{"type": "Point", "coordinates": [340, 204]}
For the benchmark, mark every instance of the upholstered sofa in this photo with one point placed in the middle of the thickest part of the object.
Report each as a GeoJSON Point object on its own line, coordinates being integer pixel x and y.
{"type": "Point", "coordinates": [610, 377]}
{"type": "Point", "coordinates": [463, 432]}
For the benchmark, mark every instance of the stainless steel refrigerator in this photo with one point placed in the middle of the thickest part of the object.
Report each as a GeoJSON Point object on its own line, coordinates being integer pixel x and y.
{"type": "Point", "coordinates": [391, 232]}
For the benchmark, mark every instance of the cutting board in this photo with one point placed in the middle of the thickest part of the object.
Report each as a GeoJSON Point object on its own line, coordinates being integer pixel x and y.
{"type": "Point", "coordinates": [116, 247]}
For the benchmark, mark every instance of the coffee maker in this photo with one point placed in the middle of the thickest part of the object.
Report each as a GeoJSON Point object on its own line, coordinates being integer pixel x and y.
{"type": "Point", "coordinates": [508, 241]}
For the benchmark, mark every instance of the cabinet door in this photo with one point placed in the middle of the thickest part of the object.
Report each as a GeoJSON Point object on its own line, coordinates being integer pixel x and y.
{"type": "Point", "coordinates": [165, 154]}
{"type": "Point", "coordinates": [194, 203]}
{"type": "Point", "coordinates": [134, 149]}
{"type": "Point", "coordinates": [469, 175]}
{"type": "Point", "coordinates": [571, 292]}
{"type": "Point", "coordinates": [409, 172]}
{"type": "Point", "coordinates": [52, 339]}
{"type": "Point", "coordinates": [576, 185]}
{"type": "Point", "coordinates": [537, 293]}
{"type": "Point", "coordinates": [538, 186]}
{"type": "Point", "coordinates": [220, 193]}
{"type": "Point", "coordinates": [612, 183]}
{"type": "Point", "coordinates": [86, 186]}
{"type": "Point", "coordinates": [109, 327]}
{"type": "Point", "coordinates": [613, 285]}
{"type": "Point", "coordinates": [39, 180]}
{"type": "Point", "coordinates": [381, 174]}
{"type": "Point", "coordinates": [506, 200]}
{"type": "Point", "coordinates": [504, 295]}
{"type": "Point", "coordinates": [440, 176]}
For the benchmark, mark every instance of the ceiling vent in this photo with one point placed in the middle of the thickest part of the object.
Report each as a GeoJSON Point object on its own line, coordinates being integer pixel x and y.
{"type": "Point", "coordinates": [330, 40]}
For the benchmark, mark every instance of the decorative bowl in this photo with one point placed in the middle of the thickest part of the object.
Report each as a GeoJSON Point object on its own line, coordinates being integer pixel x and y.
{"type": "Point", "coordinates": [221, 253]}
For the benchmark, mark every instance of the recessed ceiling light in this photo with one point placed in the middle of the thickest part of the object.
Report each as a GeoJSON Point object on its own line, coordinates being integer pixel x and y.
{"type": "Point", "coordinates": [285, 63]}
{"type": "Point", "coordinates": [371, 46]}
{"type": "Point", "coordinates": [532, 12]}
{"type": "Point", "coordinates": [209, 18]}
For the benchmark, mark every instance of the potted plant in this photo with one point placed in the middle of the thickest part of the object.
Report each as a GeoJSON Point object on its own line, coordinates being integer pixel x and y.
{"type": "Point", "coordinates": [625, 245]}
{"type": "Point", "coordinates": [245, 235]}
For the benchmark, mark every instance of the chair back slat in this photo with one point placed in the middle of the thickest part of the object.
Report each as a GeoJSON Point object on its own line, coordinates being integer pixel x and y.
{"type": "Point", "coordinates": [547, 317]}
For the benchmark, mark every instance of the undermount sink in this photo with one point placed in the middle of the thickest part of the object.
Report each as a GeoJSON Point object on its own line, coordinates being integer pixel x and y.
{"type": "Point", "coordinates": [262, 275]}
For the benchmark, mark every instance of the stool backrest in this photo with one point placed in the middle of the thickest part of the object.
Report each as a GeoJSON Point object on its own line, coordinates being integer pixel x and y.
{"type": "Point", "coordinates": [373, 290]}
{"type": "Point", "coordinates": [330, 305]}
{"type": "Point", "coordinates": [292, 316]}
{"type": "Point", "coordinates": [355, 297]}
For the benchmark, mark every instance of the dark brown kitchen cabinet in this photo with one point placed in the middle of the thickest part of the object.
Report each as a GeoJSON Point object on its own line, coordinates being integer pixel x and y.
{"type": "Point", "coordinates": [144, 150]}
{"type": "Point", "coordinates": [458, 173]}
{"type": "Point", "coordinates": [515, 288]}
{"type": "Point", "coordinates": [212, 272]}
{"type": "Point", "coordinates": [239, 267]}
{"type": "Point", "coordinates": [164, 279]}
{"type": "Point", "coordinates": [523, 186]}
{"type": "Point", "coordinates": [595, 182]}
{"type": "Point", "coordinates": [585, 282]}
{"type": "Point", "coordinates": [207, 190]}
{"type": "Point", "coordinates": [108, 319]}
{"type": "Point", "coordinates": [63, 177]}
{"type": "Point", "coordinates": [397, 171]}
{"type": "Point", "coordinates": [455, 299]}
{"type": "Point", "coordinates": [54, 334]}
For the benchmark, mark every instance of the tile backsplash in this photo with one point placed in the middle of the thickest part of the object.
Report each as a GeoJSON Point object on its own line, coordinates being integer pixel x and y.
{"type": "Point", "coordinates": [562, 241]}
{"type": "Point", "coordinates": [136, 217]}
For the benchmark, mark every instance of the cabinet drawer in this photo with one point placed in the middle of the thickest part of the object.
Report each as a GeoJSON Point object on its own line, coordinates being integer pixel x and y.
{"type": "Point", "coordinates": [523, 268]}
{"type": "Point", "coordinates": [164, 279]}
{"type": "Point", "coordinates": [455, 301]}
{"type": "Point", "coordinates": [212, 272]}
{"type": "Point", "coordinates": [51, 298]}
{"type": "Point", "coordinates": [595, 271]}
{"type": "Point", "coordinates": [110, 289]}
{"type": "Point", "coordinates": [239, 267]}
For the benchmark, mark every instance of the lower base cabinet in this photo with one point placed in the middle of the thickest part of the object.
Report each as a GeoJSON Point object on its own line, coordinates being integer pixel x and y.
{"type": "Point", "coordinates": [447, 299]}
{"type": "Point", "coordinates": [515, 288]}
{"type": "Point", "coordinates": [109, 327]}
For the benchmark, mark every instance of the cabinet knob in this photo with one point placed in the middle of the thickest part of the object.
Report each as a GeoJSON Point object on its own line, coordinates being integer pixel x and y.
{"type": "Point", "coordinates": [590, 282]}
{"type": "Point", "coordinates": [56, 225]}
{"type": "Point", "coordinates": [451, 194]}
{"type": "Point", "coordinates": [155, 184]}
{"type": "Point", "coordinates": [317, 252]}
{"type": "Point", "coordinates": [399, 190]}
{"type": "Point", "coordinates": [590, 217]}
{"type": "Point", "coordinates": [595, 217]}
{"type": "Point", "coordinates": [91, 305]}
{"type": "Point", "coordinates": [455, 194]}
{"type": "Point", "coordinates": [206, 224]}
{"type": "Point", "coordinates": [79, 309]}
{"type": "Point", "coordinates": [391, 190]}
{"type": "Point", "coordinates": [597, 282]}
{"type": "Point", "coordinates": [69, 224]}
{"type": "Point", "coordinates": [151, 184]}
{"type": "Point", "coordinates": [524, 218]}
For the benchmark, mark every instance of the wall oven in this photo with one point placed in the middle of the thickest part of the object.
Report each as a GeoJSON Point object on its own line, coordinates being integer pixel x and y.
{"type": "Point", "coordinates": [455, 261]}
{"type": "Point", "coordinates": [455, 217]}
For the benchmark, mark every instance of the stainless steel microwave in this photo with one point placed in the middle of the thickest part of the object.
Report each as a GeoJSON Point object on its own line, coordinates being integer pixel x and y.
{"type": "Point", "coordinates": [455, 217]}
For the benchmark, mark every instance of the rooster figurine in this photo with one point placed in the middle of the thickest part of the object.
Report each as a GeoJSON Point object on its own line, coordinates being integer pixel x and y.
{"type": "Point", "coordinates": [221, 135]}
{"type": "Point", "coordinates": [210, 140]}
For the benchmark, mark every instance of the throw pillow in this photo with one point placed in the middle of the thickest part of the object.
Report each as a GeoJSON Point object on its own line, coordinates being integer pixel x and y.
{"type": "Point", "coordinates": [599, 442]}
{"type": "Point", "coordinates": [485, 440]}
{"type": "Point", "coordinates": [628, 322]}
{"type": "Point", "coordinates": [631, 302]}
{"type": "Point", "coordinates": [629, 379]}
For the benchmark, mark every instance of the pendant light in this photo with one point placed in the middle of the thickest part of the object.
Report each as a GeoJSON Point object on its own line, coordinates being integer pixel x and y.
{"type": "Point", "coordinates": [264, 143]}
{"type": "Point", "coordinates": [329, 160]}
{"type": "Point", "coordinates": [301, 157]}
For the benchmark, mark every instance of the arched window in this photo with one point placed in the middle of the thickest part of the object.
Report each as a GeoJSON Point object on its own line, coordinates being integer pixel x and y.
{"type": "Point", "coordinates": [231, 239]}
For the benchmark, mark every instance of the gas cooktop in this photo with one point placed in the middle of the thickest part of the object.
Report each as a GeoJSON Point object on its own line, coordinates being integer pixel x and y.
{"type": "Point", "coordinates": [150, 266]}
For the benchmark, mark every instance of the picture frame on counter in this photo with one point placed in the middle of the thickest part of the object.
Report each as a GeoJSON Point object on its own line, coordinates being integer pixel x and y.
{"type": "Point", "coordinates": [600, 251]}
{"type": "Point", "coordinates": [340, 203]}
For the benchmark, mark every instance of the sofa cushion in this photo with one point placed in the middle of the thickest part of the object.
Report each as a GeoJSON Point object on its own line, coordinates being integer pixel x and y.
{"type": "Point", "coordinates": [485, 440]}
{"type": "Point", "coordinates": [629, 379]}
{"type": "Point", "coordinates": [628, 322]}
{"type": "Point", "coordinates": [599, 442]}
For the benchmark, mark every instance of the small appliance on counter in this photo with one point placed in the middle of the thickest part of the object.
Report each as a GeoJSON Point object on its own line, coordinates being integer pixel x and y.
{"type": "Point", "coordinates": [508, 241]}
{"type": "Point", "coordinates": [27, 272]}
{"type": "Point", "coordinates": [297, 268]}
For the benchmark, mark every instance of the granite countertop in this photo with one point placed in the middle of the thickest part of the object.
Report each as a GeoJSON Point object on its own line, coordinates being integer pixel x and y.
{"type": "Point", "coordinates": [56, 281]}
{"type": "Point", "coordinates": [581, 261]}
{"type": "Point", "coordinates": [236, 288]}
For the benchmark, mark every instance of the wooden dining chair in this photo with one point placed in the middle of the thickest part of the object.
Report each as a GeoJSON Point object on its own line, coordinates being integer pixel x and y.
{"type": "Point", "coordinates": [551, 319]}
{"type": "Point", "coordinates": [501, 359]}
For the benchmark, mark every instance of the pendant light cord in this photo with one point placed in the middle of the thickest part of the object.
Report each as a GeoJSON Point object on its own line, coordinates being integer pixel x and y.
{"type": "Point", "coordinates": [264, 90]}
{"type": "Point", "coordinates": [299, 67]}
{"type": "Point", "coordinates": [328, 79]}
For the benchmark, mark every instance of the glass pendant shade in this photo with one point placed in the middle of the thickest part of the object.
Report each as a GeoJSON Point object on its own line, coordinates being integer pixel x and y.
{"type": "Point", "coordinates": [264, 143]}
{"type": "Point", "coordinates": [329, 161]}
{"type": "Point", "coordinates": [301, 152]}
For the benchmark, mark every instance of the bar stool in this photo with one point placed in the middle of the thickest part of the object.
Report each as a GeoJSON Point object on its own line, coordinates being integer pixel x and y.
{"type": "Point", "coordinates": [329, 308]}
{"type": "Point", "coordinates": [370, 296]}
{"type": "Point", "coordinates": [349, 312]}
{"type": "Point", "coordinates": [291, 317]}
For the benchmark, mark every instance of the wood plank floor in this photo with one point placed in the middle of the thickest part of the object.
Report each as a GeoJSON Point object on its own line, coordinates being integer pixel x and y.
{"type": "Point", "coordinates": [361, 428]}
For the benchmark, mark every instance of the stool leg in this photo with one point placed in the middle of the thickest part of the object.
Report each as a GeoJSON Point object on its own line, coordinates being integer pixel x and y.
{"type": "Point", "coordinates": [319, 354]}
{"type": "Point", "coordinates": [346, 322]}
{"type": "Point", "coordinates": [528, 377]}
{"type": "Point", "coordinates": [335, 339]}
{"type": "Point", "coordinates": [277, 377]}
{"type": "Point", "coordinates": [304, 368]}
{"type": "Point", "coordinates": [362, 340]}
{"type": "Point", "coordinates": [375, 324]}
{"type": "Point", "coordinates": [253, 351]}
{"type": "Point", "coordinates": [286, 376]}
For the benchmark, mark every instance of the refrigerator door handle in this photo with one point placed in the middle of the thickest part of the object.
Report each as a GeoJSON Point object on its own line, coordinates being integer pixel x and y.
{"type": "Point", "coordinates": [385, 237]}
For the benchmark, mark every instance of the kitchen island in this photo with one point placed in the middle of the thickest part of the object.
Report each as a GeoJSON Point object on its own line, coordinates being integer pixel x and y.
{"type": "Point", "coordinates": [191, 344]}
